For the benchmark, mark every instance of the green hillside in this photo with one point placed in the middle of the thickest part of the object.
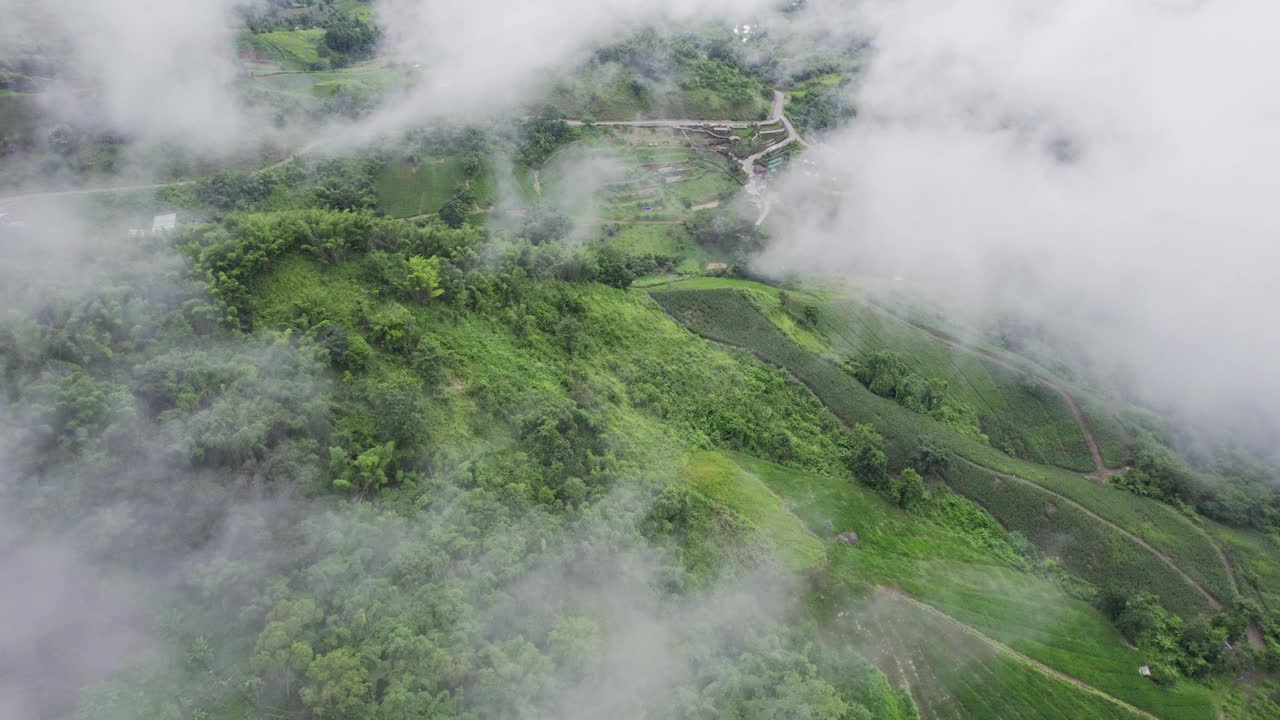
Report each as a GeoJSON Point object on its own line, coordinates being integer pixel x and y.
{"type": "Point", "coordinates": [465, 415]}
{"type": "Point", "coordinates": [725, 314]}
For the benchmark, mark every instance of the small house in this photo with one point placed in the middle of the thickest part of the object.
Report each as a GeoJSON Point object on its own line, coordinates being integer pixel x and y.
{"type": "Point", "coordinates": [1145, 671]}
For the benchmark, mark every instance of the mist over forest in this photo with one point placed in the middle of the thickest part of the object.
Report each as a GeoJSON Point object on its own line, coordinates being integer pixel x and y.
{"type": "Point", "coordinates": [817, 359]}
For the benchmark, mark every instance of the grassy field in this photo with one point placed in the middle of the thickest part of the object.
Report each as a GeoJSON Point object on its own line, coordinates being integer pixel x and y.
{"type": "Point", "coordinates": [721, 479]}
{"type": "Point", "coordinates": [293, 49]}
{"type": "Point", "coordinates": [669, 240]}
{"type": "Point", "coordinates": [959, 573]}
{"type": "Point", "coordinates": [405, 189]}
{"type": "Point", "coordinates": [725, 314]}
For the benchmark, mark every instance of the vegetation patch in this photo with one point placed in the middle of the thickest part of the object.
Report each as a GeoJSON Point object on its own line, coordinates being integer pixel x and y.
{"type": "Point", "coordinates": [407, 189]}
{"type": "Point", "coordinates": [725, 315]}
{"type": "Point", "coordinates": [721, 479]}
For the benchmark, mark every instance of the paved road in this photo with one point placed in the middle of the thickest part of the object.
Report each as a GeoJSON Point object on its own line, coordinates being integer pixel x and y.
{"type": "Point", "coordinates": [748, 163]}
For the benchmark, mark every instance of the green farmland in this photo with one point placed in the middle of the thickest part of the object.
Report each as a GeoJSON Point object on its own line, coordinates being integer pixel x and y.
{"type": "Point", "coordinates": [951, 564]}
{"type": "Point", "coordinates": [1022, 415]}
{"type": "Point", "coordinates": [406, 189]}
{"type": "Point", "coordinates": [635, 184]}
{"type": "Point", "coordinates": [294, 49]}
{"type": "Point", "coordinates": [726, 315]}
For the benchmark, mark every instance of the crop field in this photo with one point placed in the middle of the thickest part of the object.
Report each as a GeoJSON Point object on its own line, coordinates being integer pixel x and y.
{"type": "Point", "coordinates": [721, 479]}
{"type": "Point", "coordinates": [1113, 439]}
{"type": "Point", "coordinates": [309, 87]}
{"type": "Point", "coordinates": [405, 189]}
{"type": "Point", "coordinates": [724, 314]}
{"type": "Point", "coordinates": [359, 9]}
{"type": "Point", "coordinates": [1254, 702]}
{"type": "Point", "coordinates": [1040, 422]}
{"type": "Point", "coordinates": [1253, 554]}
{"type": "Point", "coordinates": [1086, 547]}
{"type": "Point", "coordinates": [294, 49]}
{"type": "Point", "coordinates": [961, 577]}
{"type": "Point", "coordinates": [953, 674]}
{"type": "Point", "coordinates": [646, 184]}
{"type": "Point", "coordinates": [1036, 618]}
{"type": "Point", "coordinates": [1020, 414]}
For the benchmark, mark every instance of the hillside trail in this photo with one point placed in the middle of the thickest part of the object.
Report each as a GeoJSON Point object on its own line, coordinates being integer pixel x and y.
{"type": "Point", "coordinates": [1007, 650]}
{"type": "Point", "coordinates": [1101, 471]}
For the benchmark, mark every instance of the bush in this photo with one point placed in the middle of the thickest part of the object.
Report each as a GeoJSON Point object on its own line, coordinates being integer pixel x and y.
{"type": "Point", "coordinates": [613, 268]}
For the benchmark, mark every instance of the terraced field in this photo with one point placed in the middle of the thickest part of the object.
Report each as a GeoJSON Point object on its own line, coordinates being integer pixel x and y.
{"type": "Point", "coordinates": [635, 184]}
{"type": "Point", "coordinates": [724, 314]}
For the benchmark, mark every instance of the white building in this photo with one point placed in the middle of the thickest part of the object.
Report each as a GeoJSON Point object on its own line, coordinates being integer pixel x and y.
{"type": "Point", "coordinates": [164, 223]}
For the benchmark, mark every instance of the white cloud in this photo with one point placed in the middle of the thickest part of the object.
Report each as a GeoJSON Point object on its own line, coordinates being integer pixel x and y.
{"type": "Point", "coordinates": [1107, 168]}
